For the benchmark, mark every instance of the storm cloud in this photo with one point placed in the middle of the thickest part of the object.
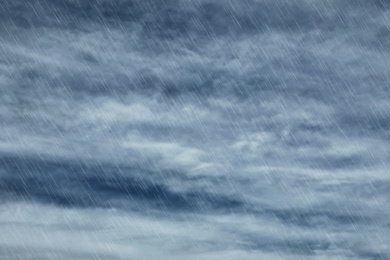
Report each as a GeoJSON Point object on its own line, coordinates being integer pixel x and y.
{"type": "Point", "coordinates": [249, 129]}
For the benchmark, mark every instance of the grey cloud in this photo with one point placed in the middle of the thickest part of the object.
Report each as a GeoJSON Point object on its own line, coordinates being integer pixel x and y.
{"type": "Point", "coordinates": [186, 111]}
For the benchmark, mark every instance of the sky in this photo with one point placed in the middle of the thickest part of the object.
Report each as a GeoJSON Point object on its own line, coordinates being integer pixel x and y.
{"type": "Point", "coordinates": [194, 129]}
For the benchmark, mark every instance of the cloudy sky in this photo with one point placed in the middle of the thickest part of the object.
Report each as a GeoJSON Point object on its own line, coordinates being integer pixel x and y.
{"type": "Point", "coordinates": [194, 129]}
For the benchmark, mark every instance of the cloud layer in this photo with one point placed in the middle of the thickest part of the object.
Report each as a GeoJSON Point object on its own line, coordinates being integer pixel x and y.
{"type": "Point", "coordinates": [207, 129]}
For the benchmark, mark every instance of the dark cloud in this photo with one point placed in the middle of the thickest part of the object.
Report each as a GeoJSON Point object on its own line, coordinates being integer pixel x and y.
{"type": "Point", "coordinates": [291, 247]}
{"type": "Point", "coordinates": [71, 184]}
{"type": "Point", "coordinates": [341, 162]}
{"type": "Point", "coordinates": [315, 218]}
{"type": "Point", "coordinates": [370, 255]}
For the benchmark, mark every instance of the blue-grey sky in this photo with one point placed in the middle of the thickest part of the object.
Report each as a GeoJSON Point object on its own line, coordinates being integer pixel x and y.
{"type": "Point", "coordinates": [194, 129]}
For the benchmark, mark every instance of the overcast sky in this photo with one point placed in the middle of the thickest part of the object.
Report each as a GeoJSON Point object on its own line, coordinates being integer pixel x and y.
{"type": "Point", "coordinates": [194, 129]}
